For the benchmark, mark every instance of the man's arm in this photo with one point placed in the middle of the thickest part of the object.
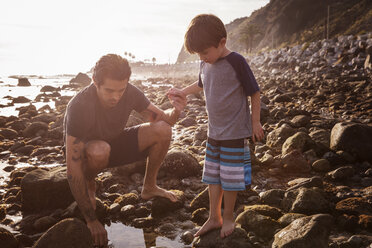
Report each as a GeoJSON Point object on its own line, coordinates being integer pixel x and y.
{"type": "Point", "coordinates": [153, 114]}
{"type": "Point", "coordinates": [257, 131]}
{"type": "Point", "coordinates": [78, 186]}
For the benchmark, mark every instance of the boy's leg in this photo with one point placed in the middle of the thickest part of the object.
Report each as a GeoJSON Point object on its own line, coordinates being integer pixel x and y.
{"type": "Point", "coordinates": [228, 213]}
{"type": "Point", "coordinates": [214, 220]}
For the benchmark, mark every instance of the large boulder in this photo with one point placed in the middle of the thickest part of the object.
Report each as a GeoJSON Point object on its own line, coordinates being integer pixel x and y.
{"type": "Point", "coordinates": [294, 162]}
{"type": "Point", "coordinates": [310, 201]}
{"type": "Point", "coordinates": [307, 232]}
{"type": "Point", "coordinates": [81, 79]}
{"type": "Point", "coordinates": [37, 128]}
{"type": "Point", "coordinates": [45, 189]}
{"type": "Point", "coordinates": [180, 164]}
{"type": "Point", "coordinates": [354, 206]}
{"type": "Point", "coordinates": [353, 138]}
{"type": "Point", "coordinates": [238, 239]}
{"type": "Point", "coordinates": [23, 82]}
{"type": "Point", "coordinates": [66, 233]}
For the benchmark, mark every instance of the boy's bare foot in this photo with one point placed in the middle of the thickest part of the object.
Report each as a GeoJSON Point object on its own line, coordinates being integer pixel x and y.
{"type": "Point", "coordinates": [227, 228]}
{"type": "Point", "coordinates": [91, 185]}
{"type": "Point", "coordinates": [209, 225]}
{"type": "Point", "coordinates": [148, 193]}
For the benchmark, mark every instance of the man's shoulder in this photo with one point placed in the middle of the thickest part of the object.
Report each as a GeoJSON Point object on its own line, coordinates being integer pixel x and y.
{"type": "Point", "coordinates": [83, 100]}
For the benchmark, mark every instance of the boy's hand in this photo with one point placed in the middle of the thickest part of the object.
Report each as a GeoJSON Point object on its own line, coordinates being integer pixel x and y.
{"type": "Point", "coordinates": [258, 133]}
{"type": "Point", "coordinates": [177, 98]}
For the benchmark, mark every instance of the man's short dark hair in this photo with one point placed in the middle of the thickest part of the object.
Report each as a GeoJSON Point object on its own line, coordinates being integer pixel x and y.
{"type": "Point", "coordinates": [204, 31]}
{"type": "Point", "coordinates": [111, 66]}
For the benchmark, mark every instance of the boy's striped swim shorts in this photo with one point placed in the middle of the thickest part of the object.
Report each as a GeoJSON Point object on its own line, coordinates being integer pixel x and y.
{"type": "Point", "coordinates": [228, 162]}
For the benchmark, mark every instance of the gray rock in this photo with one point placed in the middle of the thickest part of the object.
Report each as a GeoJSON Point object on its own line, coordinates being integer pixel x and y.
{"type": "Point", "coordinates": [300, 121]}
{"type": "Point", "coordinates": [353, 138]}
{"type": "Point", "coordinates": [288, 218]}
{"type": "Point", "coordinates": [299, 141]}
{"type": "Point", "coordinates": [8, 133]}
{"type": "Point", "coordinates": [162, 206]}
{"type": "Point", "coordinates": [307, 232]}
{"type": "Point", "coordinates": [35, 129]}
{"type": "Point", "coordinates": [81, 79]}
{"type": "Point", "coordinates": [66, 233]}
{"type": "Point", "coordinates": [23, 82]}
{"type": "Point", "coordinates": [187, 237]}
{"type": "Point", "coordinates": [321, 165]}
{"type": "Point", "coordinates": [294, 161]}
{"type": "Point", "coordinates": [310, 201]}
{"type": "Point", "coordinates": [272, 197]}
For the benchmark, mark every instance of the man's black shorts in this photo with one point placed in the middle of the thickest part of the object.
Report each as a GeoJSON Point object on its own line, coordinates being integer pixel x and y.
{"type": "Point", "coordinates": [124, 148]}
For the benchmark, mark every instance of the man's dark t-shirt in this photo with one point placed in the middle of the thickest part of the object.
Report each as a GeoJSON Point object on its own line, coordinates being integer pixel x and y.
{"type": "Point", "coordinates": [87, 119]}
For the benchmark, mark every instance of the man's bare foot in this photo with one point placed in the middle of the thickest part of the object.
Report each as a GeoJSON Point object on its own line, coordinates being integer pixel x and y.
{"type": "Point", "coordinates": [209, 225]}
{"type": "Point", "coordinates": [148, 193]}
{"type": "Point", "coordinates": [227, 228]}
{"type": "Point", "coordinates": [91, 185]}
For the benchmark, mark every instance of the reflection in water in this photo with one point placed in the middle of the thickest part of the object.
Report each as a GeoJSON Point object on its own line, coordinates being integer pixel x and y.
{"type": "Point", "coordinates": [122, 236]}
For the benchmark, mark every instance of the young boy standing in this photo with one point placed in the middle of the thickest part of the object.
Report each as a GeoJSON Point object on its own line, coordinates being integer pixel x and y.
{"type": "Point", "coordinates": [227, 81]}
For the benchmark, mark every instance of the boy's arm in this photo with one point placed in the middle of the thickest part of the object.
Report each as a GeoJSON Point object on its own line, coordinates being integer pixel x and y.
{"type": "Point", "coordinates": [257, 131]}
{"type": "Point", "coordinates": [191, 89]}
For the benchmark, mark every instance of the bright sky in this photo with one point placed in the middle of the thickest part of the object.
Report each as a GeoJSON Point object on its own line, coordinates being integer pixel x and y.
{"type": "Point", "coordinates": [45, 37]}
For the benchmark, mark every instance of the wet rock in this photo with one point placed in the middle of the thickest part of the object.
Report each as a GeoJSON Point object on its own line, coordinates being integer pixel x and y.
{"type": "Point", "coordinates": [321, 136]}
{"type": "Point", "coordinates": [200, 216]}
{"type": "Point", "coordinates": [142, 211]}
{"type": "Point", "coordinates": [342, 173]}
{"type": "Point", "coordinates": [300, 121]}
{"type": "Point", "coordinates": [180, 164]}
{"type": "Point", "coordinates": [272, 197]}
{"type": "Point", "coordinates": [294, 161]}
{"type": "Point", "coordinates": [66, 233]}
{"type": "Point", "coordinates": [48, 88]}
{"type": "Point", "coordinates": [353, 138]}
{"type": "Point", "coordinates": [201, 200]}
{"type": "Point", "coordinates": [261, 225]}
{"type": "Point", "coordinates": [187, 122]}
{"type": "Point", "coordinates": [81, 79]}
{"type": "Point", "coordinates": [299, 141]}
{"type": "Point", "coordinates": [127, 199]}
{"type": "Point", "coordinates": [42, 189]}
{"type": "Point", "coordinates": [46, 117]}
{"type": "Point", "coordinates": [279, 135]}
{"type": "Point", "coordinates": [143, 222]}
{"type": "Point", "coordinates": [2, 212]}
{"type": "Point", "coordinates": [354, 206]}
{"type": "Point", "coordinates": [305, 183]}
{"type": "Point", "coordinates": [44, 223]}
{"type": "Point", "coordinates": [310, 201]}
{"type": "Point", "coordinates": [114, 208]}
{"type": "Point", "coordinates": [127, 211]}
{"type": "Point", "coordinates": [347, 222]}
{"type": "Point", "coordinates": [20, 99]}
{"type": "Point", "coordinates": [306, 232]}
{"type": "Point", "coordinates": [23, 82]}
{"type": "Point", "coordinates": [8, 133]}
{"type": "Point", "coordinates": [288, 218]}
{"type": "Point", "coordinates": [266, 210]}
{"type": "Point", "coordinates": [7, 239]}
{"type": "Point", "coordinates": [321, 165]}
{"type": "Point", "coordinates": [187, 237]}
{"type": "Point", "coordinates": [162, 206]}
{"type": "Point", "coordinates": [35, 129]}
{"type": "Point", "coordinates": [238, 239]}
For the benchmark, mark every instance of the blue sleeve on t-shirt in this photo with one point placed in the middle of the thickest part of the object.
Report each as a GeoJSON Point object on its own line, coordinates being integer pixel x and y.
{"type": "Point", "coordinates": [243, 72]}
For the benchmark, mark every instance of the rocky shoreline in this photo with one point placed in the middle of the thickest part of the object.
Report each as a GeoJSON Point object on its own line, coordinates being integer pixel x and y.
{"type": "Point", "coordinates": [312, 175]}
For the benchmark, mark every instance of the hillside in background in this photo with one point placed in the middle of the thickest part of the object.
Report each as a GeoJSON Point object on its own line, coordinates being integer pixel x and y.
{"type": "Point", "coordinates": [291, 22]}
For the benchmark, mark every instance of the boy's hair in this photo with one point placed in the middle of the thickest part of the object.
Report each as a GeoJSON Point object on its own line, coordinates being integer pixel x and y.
{"type": "Point", "coordinates": [111, 66]}
{"type": "Point", "coordinates": [204, 31]}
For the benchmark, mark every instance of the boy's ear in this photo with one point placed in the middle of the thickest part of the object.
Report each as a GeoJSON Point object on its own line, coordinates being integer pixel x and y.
{"type": "Point", "coordinates": [223, 42]}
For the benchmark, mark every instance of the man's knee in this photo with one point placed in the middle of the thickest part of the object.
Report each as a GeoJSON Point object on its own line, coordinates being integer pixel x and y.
{"type": "Point", "coordinates": [164, 130]}
{"type": "Point", "coordinates": [97, 153]}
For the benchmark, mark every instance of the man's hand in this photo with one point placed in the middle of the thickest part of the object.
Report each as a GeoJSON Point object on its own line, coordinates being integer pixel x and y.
{"type": "Point", "coordinates": [257, 131]}
{"type": "Point", "coordinates": [177, 98]}
{"type": "Point", "coordinates": [99, 233]}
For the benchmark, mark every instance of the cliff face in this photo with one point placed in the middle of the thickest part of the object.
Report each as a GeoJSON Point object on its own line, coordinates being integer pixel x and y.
{"type": "Point", "coordinates": [290, 22]}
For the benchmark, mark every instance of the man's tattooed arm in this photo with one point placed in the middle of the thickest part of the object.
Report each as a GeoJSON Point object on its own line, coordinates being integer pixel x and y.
{"type": "Point", "coordinates": [76, 178]}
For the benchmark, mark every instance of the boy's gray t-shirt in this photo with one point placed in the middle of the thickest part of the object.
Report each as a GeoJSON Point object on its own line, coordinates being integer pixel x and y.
{"type": "Point", "coordinates": [226, 85]}
{"type": "Point", "coordinates": [87, 119]}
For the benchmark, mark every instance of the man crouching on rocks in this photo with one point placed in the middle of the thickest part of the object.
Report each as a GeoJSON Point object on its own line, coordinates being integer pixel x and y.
{"type": "Point", "coordinates": [96, 137]}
